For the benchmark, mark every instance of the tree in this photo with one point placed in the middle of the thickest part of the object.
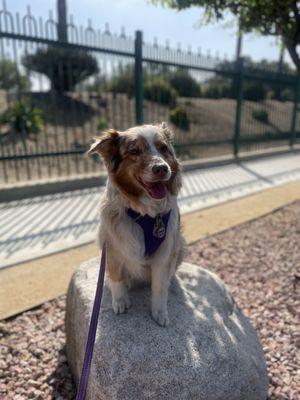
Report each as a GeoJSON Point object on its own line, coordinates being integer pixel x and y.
{"type": "Point", "coordinates": [11, 78]}
{"type": "Point", "coordinates": [268, 17]}
{"type": "Point", "coordinates": [65, 67]}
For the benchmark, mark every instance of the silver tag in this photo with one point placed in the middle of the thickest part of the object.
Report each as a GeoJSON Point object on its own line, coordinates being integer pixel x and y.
{"type": "Point", "coordinates": [159, 229]}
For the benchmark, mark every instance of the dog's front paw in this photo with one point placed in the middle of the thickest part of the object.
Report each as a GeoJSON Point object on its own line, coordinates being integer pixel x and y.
{"type": "Point", "coordinates": [120, 305]}
{"type": "Point", "coordinates": [160, 316]}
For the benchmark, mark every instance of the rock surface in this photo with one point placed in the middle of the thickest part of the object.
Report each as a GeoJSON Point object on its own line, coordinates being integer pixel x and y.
{"type": "Point", "coordinates": [208, 352]}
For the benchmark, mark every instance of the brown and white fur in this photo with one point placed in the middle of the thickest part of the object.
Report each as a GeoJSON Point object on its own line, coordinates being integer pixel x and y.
{"type": "Point", "coordinates": [143, 174]}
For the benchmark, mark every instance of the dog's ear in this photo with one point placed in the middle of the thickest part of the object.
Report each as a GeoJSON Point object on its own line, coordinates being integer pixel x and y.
{"type": "Point", "coordinates": [167, 132]}
{"type": "Point", "coordinates": [107, 146]}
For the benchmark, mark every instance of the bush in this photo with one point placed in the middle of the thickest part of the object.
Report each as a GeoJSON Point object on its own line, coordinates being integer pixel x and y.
{"type": "Point", "coordinates": [65, 68]}
{"type": "Point", "coordinates": [287, 95]}
{"type": "Point", "coordinates": [179, 117]}
{"type": "Point", "coordinates": [23, 118]}
{"type": "Point", "coordinates": [123, 81]}
{"type": "Point", "coordinates": [102, 124]}
{"type": "Point", "coordinates": [160, 91]}
{"type": "Point", "coordinates": [98, 85]}
{"type": "Point", "coordinates": [11, 78]}
{"type": "Point", "coordinates": [254, 91]}
{"type": "Point", "coordinates": [261, 116]}
{"type": "Point", "coordinates": [218, 88]}
{"type": "Point", "coordinates": [185, 84]}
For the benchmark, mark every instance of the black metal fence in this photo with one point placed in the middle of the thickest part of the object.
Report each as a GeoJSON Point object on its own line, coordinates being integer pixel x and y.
{"type": "Point", "coordinates": [55, 95]}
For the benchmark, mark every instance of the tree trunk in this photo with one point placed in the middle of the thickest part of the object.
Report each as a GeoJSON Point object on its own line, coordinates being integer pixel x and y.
{"type": "Point", "coordinates": [293, 53]}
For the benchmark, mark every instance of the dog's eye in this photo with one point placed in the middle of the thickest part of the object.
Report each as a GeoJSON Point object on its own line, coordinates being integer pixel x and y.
{"type": "Point", "coordinates": [134, 152]}
{"type": "Point", "coordinates": [163, 148]}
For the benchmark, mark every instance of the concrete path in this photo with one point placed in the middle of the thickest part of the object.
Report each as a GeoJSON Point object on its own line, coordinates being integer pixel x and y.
{"type": "Point", "coordinates": [31, 283]}
{"type": "Point", "coordinates": [39, 226]}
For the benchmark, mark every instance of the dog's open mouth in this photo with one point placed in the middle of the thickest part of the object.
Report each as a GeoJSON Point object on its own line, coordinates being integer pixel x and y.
{"type": "Point", "coordinates": [156, 190]}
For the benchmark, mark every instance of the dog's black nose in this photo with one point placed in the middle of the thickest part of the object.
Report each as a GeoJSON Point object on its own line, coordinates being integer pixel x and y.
{"type": "Point", "coordinates": [160, 169]}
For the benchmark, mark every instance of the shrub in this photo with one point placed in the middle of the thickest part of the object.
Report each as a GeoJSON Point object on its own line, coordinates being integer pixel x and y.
{"type": "Point", "coordinates": [102, 124]}
{"type": "Point", "coordinates": [254, 91]}
{"type": "Point", "coordinates": [11, 78]}
{"type": "Point", "coordinates": [160, 91]}
{"type": "Point", "coordinates": [99, 84]}
{"type": "Point", "coordinates": [123, 81]}
{"type": "Point", "coordinates": [218, 88]}
{"type": "Point", "coordinates": [270, 95]}
{"type": "Point", "coordinates": [287, 95]}
{"type": "Point", "coordinates": [64, 67]}
{"type": "Point", "coordinates": [185, 84]}
{"type": "Point", "coordinates": [261, 116]}
{"type": "Point", "coordinates": [23, 118]}
{"type": "Point", "coordinates": [179, 117]}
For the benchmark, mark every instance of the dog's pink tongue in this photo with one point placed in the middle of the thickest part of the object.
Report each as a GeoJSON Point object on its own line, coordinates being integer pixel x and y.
{"type": "Point", "coordinates": [157, 190]}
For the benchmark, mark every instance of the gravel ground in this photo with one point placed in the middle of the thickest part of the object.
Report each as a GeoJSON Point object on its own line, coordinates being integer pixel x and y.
{"type": "Point", "coordinates": [259, 260]}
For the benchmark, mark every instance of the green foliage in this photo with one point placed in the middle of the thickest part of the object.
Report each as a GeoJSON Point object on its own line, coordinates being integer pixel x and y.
{"type": "Point", "coordinates": [268, 17]}
{"type": "Point", "coordinates": [11, 78]}
{"type": "Point", "coordinates": [102, 124]}
{"type": "Point", "coordinates": [220, 86]}
{"type": "Point", "coordinates": [179, 117]}
{"type": "Point", "coordinates": [184, 84]}
{"type": "Point", "coordinates": [64, 67]}
{"type": "Point", "coordinates": [254, 90]}
{"type": "Point", "coordinates": [99, 84]}
{"type": "Point", "coordinates": [123, 81]}
{"type": "Point", "coordinates": [23, 118]}
{"type": "Point", "coordinates": [160, 91]}
{"type": "Point", "coordinates": [287, 94]}
{"type": "Point", "coordinates": [261, 116]}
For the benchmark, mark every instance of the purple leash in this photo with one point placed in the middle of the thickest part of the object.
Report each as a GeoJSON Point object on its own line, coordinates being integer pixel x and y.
{"type": "Point", "coordinates": [85, 372]}
{"type": "Point", "coordinates": [154, 234]}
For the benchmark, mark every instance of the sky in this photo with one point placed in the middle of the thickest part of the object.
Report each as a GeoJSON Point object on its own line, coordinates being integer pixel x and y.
{"type": "Point", "coordinates": [156, 21]}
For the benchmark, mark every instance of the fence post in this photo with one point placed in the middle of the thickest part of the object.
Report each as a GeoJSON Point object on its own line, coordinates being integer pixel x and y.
{"type": "Point", "coordinates": [62, 27]}
{"type": "Point", "coordinates": [239, 101]}
{"type": "Point", "coordinates": [138, 77]}
{"type": "Point", "coordinates": [295, 109]}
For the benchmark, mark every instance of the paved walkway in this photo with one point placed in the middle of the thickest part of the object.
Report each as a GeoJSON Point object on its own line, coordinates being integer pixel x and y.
{"type": "Point", "coordinates": [43, 225]}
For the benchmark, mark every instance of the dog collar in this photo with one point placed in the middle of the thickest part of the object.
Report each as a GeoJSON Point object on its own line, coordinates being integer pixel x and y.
{"type": "Point", "coordinates": [155, 229]}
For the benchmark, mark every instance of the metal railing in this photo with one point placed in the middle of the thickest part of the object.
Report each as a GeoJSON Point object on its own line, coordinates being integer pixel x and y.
{"type": "Point", "coordinates": [57, 93]}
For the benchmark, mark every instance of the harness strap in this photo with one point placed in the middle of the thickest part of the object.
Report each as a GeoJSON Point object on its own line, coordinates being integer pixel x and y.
{"type": "Point", "coordinates": [86, 366]}
{"type": "Point", "coordinates": [154, 229]}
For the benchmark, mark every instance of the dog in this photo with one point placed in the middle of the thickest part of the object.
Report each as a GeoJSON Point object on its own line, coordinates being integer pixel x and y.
{"type": "Point", "coordinates": [140, 220]}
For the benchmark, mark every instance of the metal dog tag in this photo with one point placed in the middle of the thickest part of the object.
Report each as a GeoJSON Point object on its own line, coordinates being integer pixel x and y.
{"type": "Point", "coordinates": [159, 229]}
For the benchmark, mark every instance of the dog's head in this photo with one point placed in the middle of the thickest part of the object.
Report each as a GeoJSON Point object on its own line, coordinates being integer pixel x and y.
{"type": "Point", "coordinates": [140, 161]}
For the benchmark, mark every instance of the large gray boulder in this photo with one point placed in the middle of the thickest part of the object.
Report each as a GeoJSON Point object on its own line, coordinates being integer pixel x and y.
{"type": "Point", "coordinates": [208, 352]}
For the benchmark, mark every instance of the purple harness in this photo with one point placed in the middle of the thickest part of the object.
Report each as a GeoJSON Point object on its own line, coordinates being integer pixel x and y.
{"type": "Point", "coordinates": [155, 230]}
